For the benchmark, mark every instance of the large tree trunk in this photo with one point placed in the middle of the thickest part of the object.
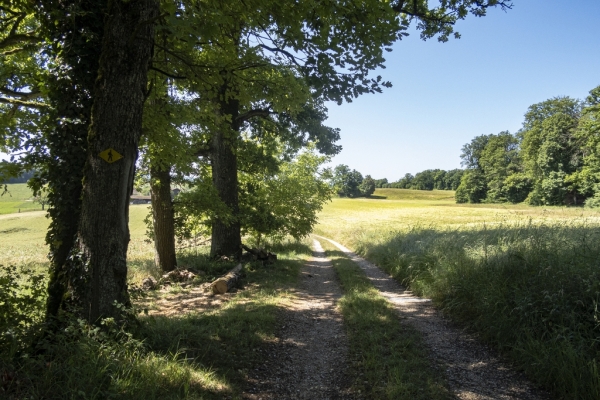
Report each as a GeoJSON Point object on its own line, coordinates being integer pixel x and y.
{"type": "Point", "coordinates": [163, 218]}
{"type": "Point", "coordinates": [69, 91]}
{"type": "Point", "coordinates": [226, 236]}
{"type": "Point", "coordinates": [103, 235]}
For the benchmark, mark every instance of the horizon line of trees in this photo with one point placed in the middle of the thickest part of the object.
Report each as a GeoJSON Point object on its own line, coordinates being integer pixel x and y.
{"type": "Point", "coordinates": [429, 179]}
{"type": "Point", "coordinates": [350, 183]}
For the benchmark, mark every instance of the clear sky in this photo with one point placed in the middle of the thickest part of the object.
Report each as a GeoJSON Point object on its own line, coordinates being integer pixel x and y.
{"type": "Point", "coordinates": [445, 94]}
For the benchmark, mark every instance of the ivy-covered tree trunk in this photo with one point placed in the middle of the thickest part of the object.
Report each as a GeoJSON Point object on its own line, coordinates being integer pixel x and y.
{"type": "Point", "coordinates": [226, 236]}
{"type": "Point", "coordinates": [163, 220]}
{"type": "Point", "coordinates": [120, 91]}
{"type": "Point", "coordinates": [69, 91]}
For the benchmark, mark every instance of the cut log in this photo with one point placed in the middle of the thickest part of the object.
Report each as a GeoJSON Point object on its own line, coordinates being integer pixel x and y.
{"type": "Point", "coordinates": [227, 281]}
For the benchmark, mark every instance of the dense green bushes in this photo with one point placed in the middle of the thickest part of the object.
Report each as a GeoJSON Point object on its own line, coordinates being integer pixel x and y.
{"type": "Point", "coordinates": [22, 298]}
{"type": "Point", "coordinates": [531, 290]}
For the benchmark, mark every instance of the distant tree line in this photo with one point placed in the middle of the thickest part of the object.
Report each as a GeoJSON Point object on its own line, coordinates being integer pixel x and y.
{"type": "Point", "coordinates": [428, 180]}
{"type": "Point", "coordinates": [23, 178]}
{"type": "Point", "coordinates": [554, 159]}
{"type": "Point", "coordinates": [350, 183]}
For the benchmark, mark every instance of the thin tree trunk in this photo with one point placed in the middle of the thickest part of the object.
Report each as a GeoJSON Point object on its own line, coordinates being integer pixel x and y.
{"type": "Point", "coordinates": [163, 218]}
{"type": "Point", "coordinates": [103, 235]}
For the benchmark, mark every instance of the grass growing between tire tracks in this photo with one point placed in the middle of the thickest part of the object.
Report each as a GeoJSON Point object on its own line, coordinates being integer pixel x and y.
{"type": "Point", "coordinates": [388, 356]}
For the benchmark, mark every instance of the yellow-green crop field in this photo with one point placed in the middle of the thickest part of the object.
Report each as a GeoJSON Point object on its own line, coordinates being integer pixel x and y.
{"type": "Point", "coordinates": [402, 209]}
{"type": "Point", "coordinates": [527, 279]}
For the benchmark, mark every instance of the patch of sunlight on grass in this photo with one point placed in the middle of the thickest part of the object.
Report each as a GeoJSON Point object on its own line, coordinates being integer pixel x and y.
{"type": "Point", "coordinates": [18, 197]}
{"type": "Point", "coordinates": [207, 378]}
{"type": "Point", "coordinates": [344, 219]}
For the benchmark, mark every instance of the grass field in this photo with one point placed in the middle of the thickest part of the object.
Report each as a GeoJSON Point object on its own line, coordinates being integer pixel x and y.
{"type": "Point", "coordinates": [403, 208]}
{"type": "Point", "coordinates": [18, 198]}
{"type": "Point", "coordinates": [22, 241]}
{"type": "Point", "coordinates": [527, 279]}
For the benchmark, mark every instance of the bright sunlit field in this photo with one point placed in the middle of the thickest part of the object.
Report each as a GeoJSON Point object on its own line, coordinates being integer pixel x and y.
{"type": "Point", "coordinates": [526, 278]}
{"type": "Point", "coordinates": [17, 198]}
{"type": "Point", "coordinates": [401, 209]}
{"type": "Point", "coordinates": [22, 241]}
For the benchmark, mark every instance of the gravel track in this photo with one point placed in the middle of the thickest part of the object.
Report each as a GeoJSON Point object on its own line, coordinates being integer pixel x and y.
{"type": "Point", "coordinates": [473, 370]}
{"type": "Point", "coordinates": [308, 358]}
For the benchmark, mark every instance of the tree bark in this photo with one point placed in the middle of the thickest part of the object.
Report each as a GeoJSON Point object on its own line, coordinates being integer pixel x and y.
{"type": "Point", "coordinates": [226, 235]}
{"type": "Point", "coordinates": [163, 220]}
{"type": "Point", "coordinates": [120, 91]}
{"type": "Point", "coordinates": [69, 91]}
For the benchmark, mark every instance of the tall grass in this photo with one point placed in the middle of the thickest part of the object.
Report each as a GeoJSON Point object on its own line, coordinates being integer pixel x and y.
{"type": "Point", "coordinates": [531, 289]}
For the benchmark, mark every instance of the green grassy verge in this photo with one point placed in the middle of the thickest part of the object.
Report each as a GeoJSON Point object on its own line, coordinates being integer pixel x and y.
{"type": "Point", "coordinates": [201, 355]}
{"type": "Point", "coordinates": [388, 356]}
{"type": "Point", "coordinates": [531, 290]}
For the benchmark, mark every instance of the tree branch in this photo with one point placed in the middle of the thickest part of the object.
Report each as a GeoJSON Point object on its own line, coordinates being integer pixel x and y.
{"type": "Point", "coordinates": [284, 52]}
{"type": "Point", "coordinates": [28, 104]}
{"type": "Point", "coordinates": [426, 16]}
{"type": "Point", "coordinates": [19, 38]}
{"type": "Point", "coordinates": [24, 96]}
{"type": "Point", "coordinates": [261, 112]}
{"type": "Point", "coordinates": [167, 74]}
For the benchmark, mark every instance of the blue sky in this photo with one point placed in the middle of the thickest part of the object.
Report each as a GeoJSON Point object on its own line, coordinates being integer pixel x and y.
{"type": "Point", "coordinates": [445, 94]}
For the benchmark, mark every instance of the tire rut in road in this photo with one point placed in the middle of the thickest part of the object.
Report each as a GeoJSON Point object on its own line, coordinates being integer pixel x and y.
{"type": "Point", "coordinates": [308, 358]}
{"type": "Point", "coordinates": [473, 370]}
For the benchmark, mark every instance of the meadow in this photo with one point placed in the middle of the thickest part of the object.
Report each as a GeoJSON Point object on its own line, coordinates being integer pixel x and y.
{"type": "Point", "coordinates": [17, 199]}
{"type": "Point", "coordinates": [527, 279]}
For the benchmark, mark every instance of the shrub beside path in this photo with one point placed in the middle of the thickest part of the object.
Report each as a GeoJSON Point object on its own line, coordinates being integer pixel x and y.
{"type": "Point", "coordinates": [472, 370]}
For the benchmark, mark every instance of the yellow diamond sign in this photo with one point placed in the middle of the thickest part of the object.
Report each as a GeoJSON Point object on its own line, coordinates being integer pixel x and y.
{"type": "Point", "coordinates": [110, 155]}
